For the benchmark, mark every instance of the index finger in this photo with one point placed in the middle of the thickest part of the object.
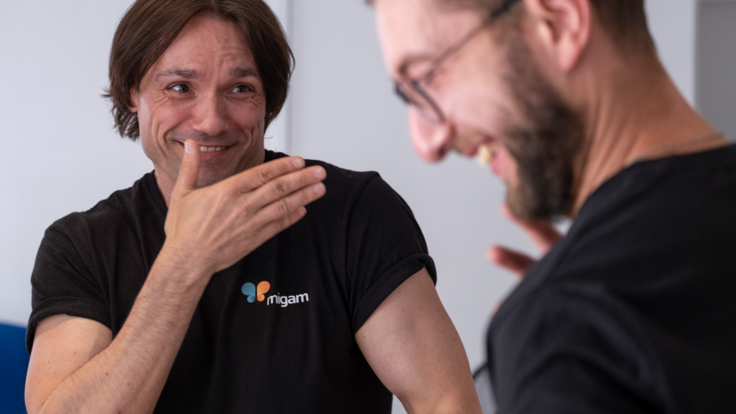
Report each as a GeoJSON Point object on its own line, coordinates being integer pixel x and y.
{"type": "Point", "coordinates": [255, 177]}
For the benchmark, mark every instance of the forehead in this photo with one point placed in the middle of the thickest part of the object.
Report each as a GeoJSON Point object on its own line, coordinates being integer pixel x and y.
{"type": "Point", "coordinates": [207, 42]}
{"type": "Point", "coordinates": [413, 31]}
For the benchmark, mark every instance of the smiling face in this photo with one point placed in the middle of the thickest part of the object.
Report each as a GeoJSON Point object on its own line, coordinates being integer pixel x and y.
{"type": "Point", "coordinates": [204, 87]}
{"type": "Point", "coordinates": [492, 94]}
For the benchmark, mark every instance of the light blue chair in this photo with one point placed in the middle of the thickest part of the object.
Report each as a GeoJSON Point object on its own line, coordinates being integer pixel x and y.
{"type": "Point", "coordinates": [13, 368]}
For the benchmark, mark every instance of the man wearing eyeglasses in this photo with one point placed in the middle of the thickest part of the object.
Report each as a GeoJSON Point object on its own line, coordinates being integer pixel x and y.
{"type": "Point", "coordinates": [633, 310]}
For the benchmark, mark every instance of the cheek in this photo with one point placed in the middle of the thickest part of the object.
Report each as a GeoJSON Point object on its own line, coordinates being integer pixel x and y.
{"type": "Point", "coordinates": [248, 118]}
{"type": "Point", "coordinates": [158, 116]}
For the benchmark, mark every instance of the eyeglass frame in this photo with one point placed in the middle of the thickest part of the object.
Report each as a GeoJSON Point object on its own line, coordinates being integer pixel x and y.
{"type": "Point", "coordinates": [438, 117]}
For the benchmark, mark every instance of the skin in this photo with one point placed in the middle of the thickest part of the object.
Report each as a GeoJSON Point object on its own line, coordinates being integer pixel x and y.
{"type": "Point", "coordinates": [205, 87]}
{"type": "Point", "coordinates": [628, 103]}
{"type": "Point", "coordinates": [203, 93]}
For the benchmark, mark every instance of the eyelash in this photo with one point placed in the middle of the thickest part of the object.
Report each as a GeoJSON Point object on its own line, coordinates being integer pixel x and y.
{"type": "Point", "coordinates": [175, 86]}
{"type": "Point", "coordinates": [183, 85]}
{"type": "Point", "coordinates": [248, 87]}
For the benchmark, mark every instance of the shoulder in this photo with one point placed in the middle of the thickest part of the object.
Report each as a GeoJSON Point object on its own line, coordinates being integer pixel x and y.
{"type": "Point", "coordinates": [356, 192]}
{"type": "Point", "coordinates": [342, 184]}
{"type": "Point", "coordinates": [346, 181]}
{"type": "Point", "coordinates": [575, 310]}
{"type": "Point", "coordinates": [570, 342]}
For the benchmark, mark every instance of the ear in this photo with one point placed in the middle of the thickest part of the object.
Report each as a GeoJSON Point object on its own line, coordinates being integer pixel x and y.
{"type": "Point", "coordinates": [135, 97]}
{"type": "Point", "coordinates": [562, 27]}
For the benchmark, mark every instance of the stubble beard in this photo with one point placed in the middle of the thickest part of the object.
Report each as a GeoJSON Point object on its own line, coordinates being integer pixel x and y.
{"type": "Point", "coordinates": [545, 144]}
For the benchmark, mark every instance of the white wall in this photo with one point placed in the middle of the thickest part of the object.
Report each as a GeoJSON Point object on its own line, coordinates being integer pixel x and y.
{"type": "Point", "coordinates": [59, 152]}
{"type": "Point", "coordinates": [672, 22]}
{"type": "Point", "coordinates": [716, 64]}
{"type": "Point", "coordinates": [61, 155]}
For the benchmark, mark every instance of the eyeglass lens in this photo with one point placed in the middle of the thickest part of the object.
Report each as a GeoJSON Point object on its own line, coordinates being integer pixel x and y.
{"type": "Point", "coordinates": [413, 94]}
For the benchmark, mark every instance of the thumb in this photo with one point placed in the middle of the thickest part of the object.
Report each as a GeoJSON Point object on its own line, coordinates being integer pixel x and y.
{"type": "Point", "coordinates": [189, 169]}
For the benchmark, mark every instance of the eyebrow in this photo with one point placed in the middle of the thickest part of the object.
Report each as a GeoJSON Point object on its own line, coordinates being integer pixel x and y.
{"type": "Point", "coordinates": [177, 72]}
{"type": "Point", "coordinates": [193, 74]}
{"type": "Point", "coordinates": [243, 73]}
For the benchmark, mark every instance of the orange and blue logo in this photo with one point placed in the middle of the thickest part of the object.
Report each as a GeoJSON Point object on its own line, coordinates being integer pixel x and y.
{"type": "Point", "coordinates": [252, 292]}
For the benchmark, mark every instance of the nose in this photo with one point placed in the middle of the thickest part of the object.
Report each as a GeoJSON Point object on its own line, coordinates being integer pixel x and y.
{"type": "Point", "coordinates": [211, 115]}
{"type": "Point", "coordinates": [431, 141]}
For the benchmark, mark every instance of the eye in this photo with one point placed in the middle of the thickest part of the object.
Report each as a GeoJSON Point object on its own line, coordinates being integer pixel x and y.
{"type": "Point", "coordinates": [242, 89]}
{"type": "Point", "coordinates": [180, 88]}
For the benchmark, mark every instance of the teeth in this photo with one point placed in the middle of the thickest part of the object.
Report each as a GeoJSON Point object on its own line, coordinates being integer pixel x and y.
{"type": "Point", "coordinates": [486, 152]}
{"type": "Point", "coordinates": [210, 149]}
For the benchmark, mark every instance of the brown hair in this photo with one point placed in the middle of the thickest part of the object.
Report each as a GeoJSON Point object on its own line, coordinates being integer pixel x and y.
{"type": "Point", "coordinates": [624, 20]}
{"type": "Point", "coordinates": [150, 26]}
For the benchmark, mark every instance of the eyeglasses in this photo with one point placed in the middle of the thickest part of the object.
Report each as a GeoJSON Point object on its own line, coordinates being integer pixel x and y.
{"type": "Point", "coordinates": [413, 93]}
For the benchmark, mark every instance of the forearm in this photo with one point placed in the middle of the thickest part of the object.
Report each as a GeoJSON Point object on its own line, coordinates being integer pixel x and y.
{"type": "Point", "coordinates": [129, 375]}
{"type": "Point", "coordinates": [466, 403]}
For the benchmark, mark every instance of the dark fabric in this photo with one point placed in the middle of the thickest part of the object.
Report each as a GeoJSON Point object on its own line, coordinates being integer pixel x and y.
{"type": "Point", "coordinates": [634, 311]}
{"type": "Point", "coordinates": [290, 353]}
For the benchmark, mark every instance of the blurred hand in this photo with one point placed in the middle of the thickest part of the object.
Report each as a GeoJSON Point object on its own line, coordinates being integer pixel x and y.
{"type": "Point", "coordinates": [542, 233]}
{"type": "Point", "coordinates": [212, 228]}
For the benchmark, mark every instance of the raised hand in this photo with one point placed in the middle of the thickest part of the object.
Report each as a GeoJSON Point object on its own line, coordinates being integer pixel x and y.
{"type": "Point", "coordinates": [211, 228]}
{"type": "Point", "coordinates": [542, 233]}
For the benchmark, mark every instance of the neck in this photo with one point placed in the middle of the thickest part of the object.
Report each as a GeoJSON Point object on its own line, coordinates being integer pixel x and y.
{"type": "Point", "coordinates": [635, 112]}
{"type": "Point", "coordinates": [165, 186]}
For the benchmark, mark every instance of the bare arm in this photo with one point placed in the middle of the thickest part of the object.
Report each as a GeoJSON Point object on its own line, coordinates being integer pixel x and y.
{"type": "Point", "coordinates": [207, 230]}
{"type": "Point", "coordinates": [413, 347]}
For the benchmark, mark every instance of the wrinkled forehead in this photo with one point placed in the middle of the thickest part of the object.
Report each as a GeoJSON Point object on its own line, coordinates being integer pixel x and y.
{"type": "Point", "coordinates": [413, 32]}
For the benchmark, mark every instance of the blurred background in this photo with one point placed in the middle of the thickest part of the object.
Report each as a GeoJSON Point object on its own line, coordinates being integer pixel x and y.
{"type": "Point", "coordinates": [60, 153]}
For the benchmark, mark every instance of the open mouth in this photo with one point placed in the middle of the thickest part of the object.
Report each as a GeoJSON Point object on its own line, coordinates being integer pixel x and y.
{"type": "Point", "coordinates": [486, 153]}
{"type": "Point", "coordinates": [211, 149]}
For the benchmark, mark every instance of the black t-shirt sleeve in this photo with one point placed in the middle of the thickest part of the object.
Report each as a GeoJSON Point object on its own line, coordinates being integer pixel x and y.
{"type": "Point", "coordinates": [62, 281]}
{"type": "Point", "coordinates": [385, 248]}
{"type": "Point", "coordinates": [564, 352]}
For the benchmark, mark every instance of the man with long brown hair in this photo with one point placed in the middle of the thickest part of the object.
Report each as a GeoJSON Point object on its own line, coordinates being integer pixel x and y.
{"type": "Point", "coordinates": [207, 287]}
{"type": "Point", "coordinates": [632, 311]}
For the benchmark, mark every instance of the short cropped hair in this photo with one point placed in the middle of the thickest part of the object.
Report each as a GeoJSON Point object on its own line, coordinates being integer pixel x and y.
{"type": "Point", "coordinates": [150, 26]}
{"type": "Point", "coordinates": [624, 20]}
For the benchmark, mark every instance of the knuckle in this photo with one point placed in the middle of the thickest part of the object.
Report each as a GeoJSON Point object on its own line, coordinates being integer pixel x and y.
{"type": "Point", "coordinates": [306, 177]}
{"type": "Point", "coordinates": [229, 189]}
{"type": "Point", "coordinates": [281, 188]}
{"type": "Point", "coordinates": [283, 207]}
{"type": "Point", "coordinates": [263, 176]}
{"type": "Point", "coordinates": [247, 208]}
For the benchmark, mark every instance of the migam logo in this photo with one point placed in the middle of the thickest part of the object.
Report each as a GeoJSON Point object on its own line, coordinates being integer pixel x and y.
{"type": "Point", "coordinates": [250, 291]}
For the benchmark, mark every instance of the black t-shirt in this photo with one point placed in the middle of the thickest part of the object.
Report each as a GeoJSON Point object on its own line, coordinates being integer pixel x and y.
{"type": "Point", "coordinates": [291, 350]}
{"type": "Point", "coordinates": [634, 311]}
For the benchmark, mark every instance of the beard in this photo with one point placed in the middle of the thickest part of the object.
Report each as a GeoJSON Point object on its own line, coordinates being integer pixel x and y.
{"type": "Point", "coordinates": [544, 144]}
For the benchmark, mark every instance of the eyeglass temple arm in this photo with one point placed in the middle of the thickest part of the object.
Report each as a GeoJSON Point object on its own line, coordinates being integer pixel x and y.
{"type": "Point", "coordinates": [503, 8]}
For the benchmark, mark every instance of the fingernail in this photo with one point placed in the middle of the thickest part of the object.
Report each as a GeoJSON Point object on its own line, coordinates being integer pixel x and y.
{"type": "Point", "coordinates": [319, 188]}
{"type": "Point", "coordinates": [188, 147]}
{"type": "Point", "coordinates": [319, 173]}
{"type": "Point", "coordinates": [298, 162]}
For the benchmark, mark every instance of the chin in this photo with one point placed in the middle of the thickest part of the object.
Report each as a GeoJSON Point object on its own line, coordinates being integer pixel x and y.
{"type": "Point", "coordinates": [207, 178]}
